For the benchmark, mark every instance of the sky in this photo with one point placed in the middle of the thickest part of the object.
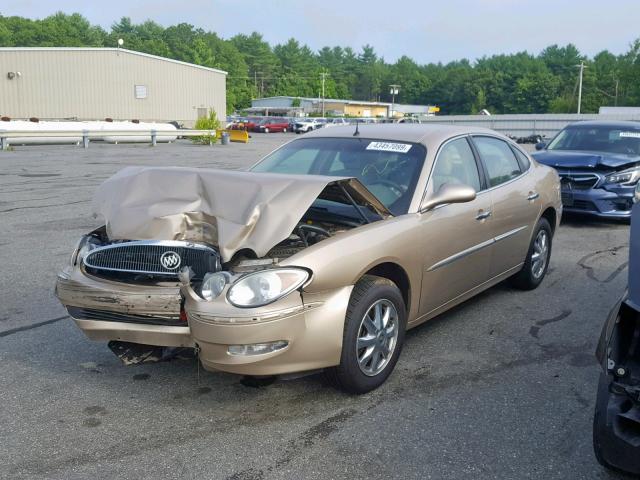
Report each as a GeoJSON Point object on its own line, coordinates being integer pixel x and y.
{"type": "Point", "coordinates": [427, 30]}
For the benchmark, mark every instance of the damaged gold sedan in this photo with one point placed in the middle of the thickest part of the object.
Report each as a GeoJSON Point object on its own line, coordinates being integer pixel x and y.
{"type": "Point", "coordinates": [319, 258]}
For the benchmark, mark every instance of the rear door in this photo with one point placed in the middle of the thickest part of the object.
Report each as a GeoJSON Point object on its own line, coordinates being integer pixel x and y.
{"type": "Point", "coordinates": [516, 203]}
{"type": "Point", "coordinates": [457, 237]}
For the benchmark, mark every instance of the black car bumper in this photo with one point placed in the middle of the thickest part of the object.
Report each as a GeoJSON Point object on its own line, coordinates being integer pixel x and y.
{"type": "Point", "coordinates": [616, 426]}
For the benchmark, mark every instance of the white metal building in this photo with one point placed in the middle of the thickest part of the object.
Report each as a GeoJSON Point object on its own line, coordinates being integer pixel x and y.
{"type": "Point", "coordinates": [98, 83]}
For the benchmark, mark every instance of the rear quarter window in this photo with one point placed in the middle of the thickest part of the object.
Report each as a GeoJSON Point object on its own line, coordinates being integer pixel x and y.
{"type": "Point", "coordinates": [525, 163]}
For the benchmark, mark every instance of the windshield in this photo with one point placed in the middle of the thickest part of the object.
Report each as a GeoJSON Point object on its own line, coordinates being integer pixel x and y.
{"type": "Point", "coordinates": [389, 170]}
{"type": "Point", "coordinates": [609, 139]}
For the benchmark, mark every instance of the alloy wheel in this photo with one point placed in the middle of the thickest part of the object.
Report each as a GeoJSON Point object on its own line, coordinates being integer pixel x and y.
{"type": "Point", "coordinates": [540, 254]}
{"type": "Point", "coordinates": [377, 337]}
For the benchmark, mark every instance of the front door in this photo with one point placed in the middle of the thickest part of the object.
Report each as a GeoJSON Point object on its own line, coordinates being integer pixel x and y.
{"type": "Point", "coordinates": [457, 237]}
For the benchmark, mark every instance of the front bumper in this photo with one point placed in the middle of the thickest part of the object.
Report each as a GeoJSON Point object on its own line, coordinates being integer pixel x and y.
{"type": "Point", "coordinates": [88, 298]}
{"type": "Point", "coordinates": [610, 202]}
{"type": "Point", "coordinates": [311, 323]}
{"type": "Point", "coordinates": [617, 414]}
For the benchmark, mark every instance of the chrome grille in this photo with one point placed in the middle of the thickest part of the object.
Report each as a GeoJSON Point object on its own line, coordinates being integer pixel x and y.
{"type": "Point", "coordinates": [144, 257]}
{"type": "Point", "coordinates": [578, 181]}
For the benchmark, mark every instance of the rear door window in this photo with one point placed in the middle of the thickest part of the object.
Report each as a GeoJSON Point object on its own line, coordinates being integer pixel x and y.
{"type": "Point", "coordinates": [498, 159]}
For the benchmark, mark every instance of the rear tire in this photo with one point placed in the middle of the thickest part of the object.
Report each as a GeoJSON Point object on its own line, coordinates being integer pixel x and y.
{"type": "Point", "coordinates": [370, 347]}
{"type": "Point", "coordinates": [537, 262]}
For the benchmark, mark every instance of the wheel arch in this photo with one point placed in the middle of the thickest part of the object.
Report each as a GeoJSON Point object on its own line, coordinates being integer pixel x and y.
{"type": "Point", "coordinates": [395, 273]}
{"type": "Point", "coordinates": [551, 216]}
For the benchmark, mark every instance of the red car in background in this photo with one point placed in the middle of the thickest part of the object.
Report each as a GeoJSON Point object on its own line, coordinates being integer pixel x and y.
{"type": "Point", "coordinates": [247, 124]}
{"type": "Point", "coordinates": [272, 125]}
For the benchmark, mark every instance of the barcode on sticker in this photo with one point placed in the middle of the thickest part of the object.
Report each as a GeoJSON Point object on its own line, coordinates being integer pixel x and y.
{"type": "Point", "coordinates": [389, 147]}
{"type": "Point", "coordinates": [630, 134]}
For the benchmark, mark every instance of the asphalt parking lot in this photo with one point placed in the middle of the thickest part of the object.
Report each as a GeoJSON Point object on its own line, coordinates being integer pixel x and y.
{"type": "Point", "coordinates": [502, 387]}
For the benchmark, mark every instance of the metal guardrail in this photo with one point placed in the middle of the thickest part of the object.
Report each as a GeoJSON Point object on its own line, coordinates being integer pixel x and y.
{"type": "Point", "coordinates": [87, 135]}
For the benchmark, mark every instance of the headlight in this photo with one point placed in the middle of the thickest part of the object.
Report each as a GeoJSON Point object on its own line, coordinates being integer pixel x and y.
{"type": "Point", "coordinates": [267, 286]}
{"type": "Point", "coordinates": [74, 256]}
{"type": "Point", "coordinates": [625, 177]}
{"type": "Point", "coordinates": [213, 284]}
{"type": "Point", "coordinates": [84, 246]}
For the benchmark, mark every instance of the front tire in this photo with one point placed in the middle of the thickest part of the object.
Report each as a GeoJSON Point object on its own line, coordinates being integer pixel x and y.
{"type": "Point", "coordinates": [373, 336]}
{"type": "Point", "coordinates": [537, 262]}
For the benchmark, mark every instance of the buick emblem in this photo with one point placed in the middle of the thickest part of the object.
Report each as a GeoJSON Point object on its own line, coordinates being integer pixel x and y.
{"type": "Point", "coordinates": [170, 260]}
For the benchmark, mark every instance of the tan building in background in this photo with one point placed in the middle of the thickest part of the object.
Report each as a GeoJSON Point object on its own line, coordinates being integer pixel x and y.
{"type": "Point", "coordinates": [96, 83]}
{"type": "Point", "coordinates": [295, 106]}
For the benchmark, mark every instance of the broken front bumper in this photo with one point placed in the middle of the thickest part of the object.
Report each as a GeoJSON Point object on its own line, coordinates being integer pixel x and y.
{"type": "Point", "coordinates": [311, 325]}
{"type": "Point", "coordinates": [617, 415]}
{"type": "Point", "coordinates": [106, 310]}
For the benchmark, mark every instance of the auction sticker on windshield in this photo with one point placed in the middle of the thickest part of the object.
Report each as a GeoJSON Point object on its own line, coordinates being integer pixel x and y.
{"type": "Point", "coordinates": [389, 147]}
{"type": "Point", "coordinates": [630, 134]}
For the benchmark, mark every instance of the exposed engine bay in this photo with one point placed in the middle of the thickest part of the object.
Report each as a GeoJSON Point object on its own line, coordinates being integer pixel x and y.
{"type": "Point", "coordinates": [306, 234]}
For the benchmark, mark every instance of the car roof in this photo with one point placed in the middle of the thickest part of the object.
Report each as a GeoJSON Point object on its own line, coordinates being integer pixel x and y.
{"type": "Point", "coordinates": [606, 123]}
{"type": "Point", "coordinates": [425, 133]}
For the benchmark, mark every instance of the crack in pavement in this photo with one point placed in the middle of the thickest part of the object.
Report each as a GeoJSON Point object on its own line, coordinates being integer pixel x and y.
{"type": "Point", "coordinates": [535, 329]}
{"type": "Point", "coordinates": [11, 331]}
{"type": "Point", "coordinates": [44, 206]}
{"type": "Point", "coordinates": [583, 263]}
{"type": "Point", "coordinates": [296, 446]}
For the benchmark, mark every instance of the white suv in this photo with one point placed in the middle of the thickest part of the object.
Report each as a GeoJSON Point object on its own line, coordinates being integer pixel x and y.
{"type": "Point", "coordinates": [306, 125]}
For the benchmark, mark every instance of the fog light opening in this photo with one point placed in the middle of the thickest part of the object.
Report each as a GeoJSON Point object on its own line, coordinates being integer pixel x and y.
{"type": "Point", "coordinates": [257, 348]}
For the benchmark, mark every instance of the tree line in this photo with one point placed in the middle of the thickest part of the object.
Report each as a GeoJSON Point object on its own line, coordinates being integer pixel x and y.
{"type": "Point", "coordinates": [506, 83]}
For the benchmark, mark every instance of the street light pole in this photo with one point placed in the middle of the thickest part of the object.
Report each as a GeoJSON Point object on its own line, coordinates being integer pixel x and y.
{"type": "Point", "coordinates": [581, 67]}
{"type": "Point", "coordinates": [323, 75]}
{"type": "Point", "coordinates": [394, 91]}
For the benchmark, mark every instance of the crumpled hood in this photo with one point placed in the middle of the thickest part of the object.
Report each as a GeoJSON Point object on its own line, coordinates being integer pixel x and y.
{"type": "Point", "coordinates": [230, 209]}
{"type": "Point", "coordinates": [575, 159]}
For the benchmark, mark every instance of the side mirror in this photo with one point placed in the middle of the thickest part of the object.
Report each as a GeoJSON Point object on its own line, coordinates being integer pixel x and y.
{"type": "Point", "coordinates": [449, 193]}
{"type": "Point", "coordinates": [541, 145]}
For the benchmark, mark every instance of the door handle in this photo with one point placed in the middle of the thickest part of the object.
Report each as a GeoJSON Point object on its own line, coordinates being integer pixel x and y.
{"type": "Point", "coordinates": [532, 196]}
{"type": "Point", "coordinates": [482, 215]}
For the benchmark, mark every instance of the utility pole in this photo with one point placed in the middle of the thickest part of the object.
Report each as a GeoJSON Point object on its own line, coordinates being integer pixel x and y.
{"type": "Point", "coordinates": [394, 91]}
{"type": "Point", "coordinates": [617, 83]}
{"type": "Point", "coordinates": [581, 67]}
{"type": "Point", "coordinates": [323, 75]}
{"type": "Point", "coordinates": [261, 81]}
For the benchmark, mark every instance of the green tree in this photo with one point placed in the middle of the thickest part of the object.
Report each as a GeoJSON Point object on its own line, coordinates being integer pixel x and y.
{"type": "Point", "coordinates": [515, 83]}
